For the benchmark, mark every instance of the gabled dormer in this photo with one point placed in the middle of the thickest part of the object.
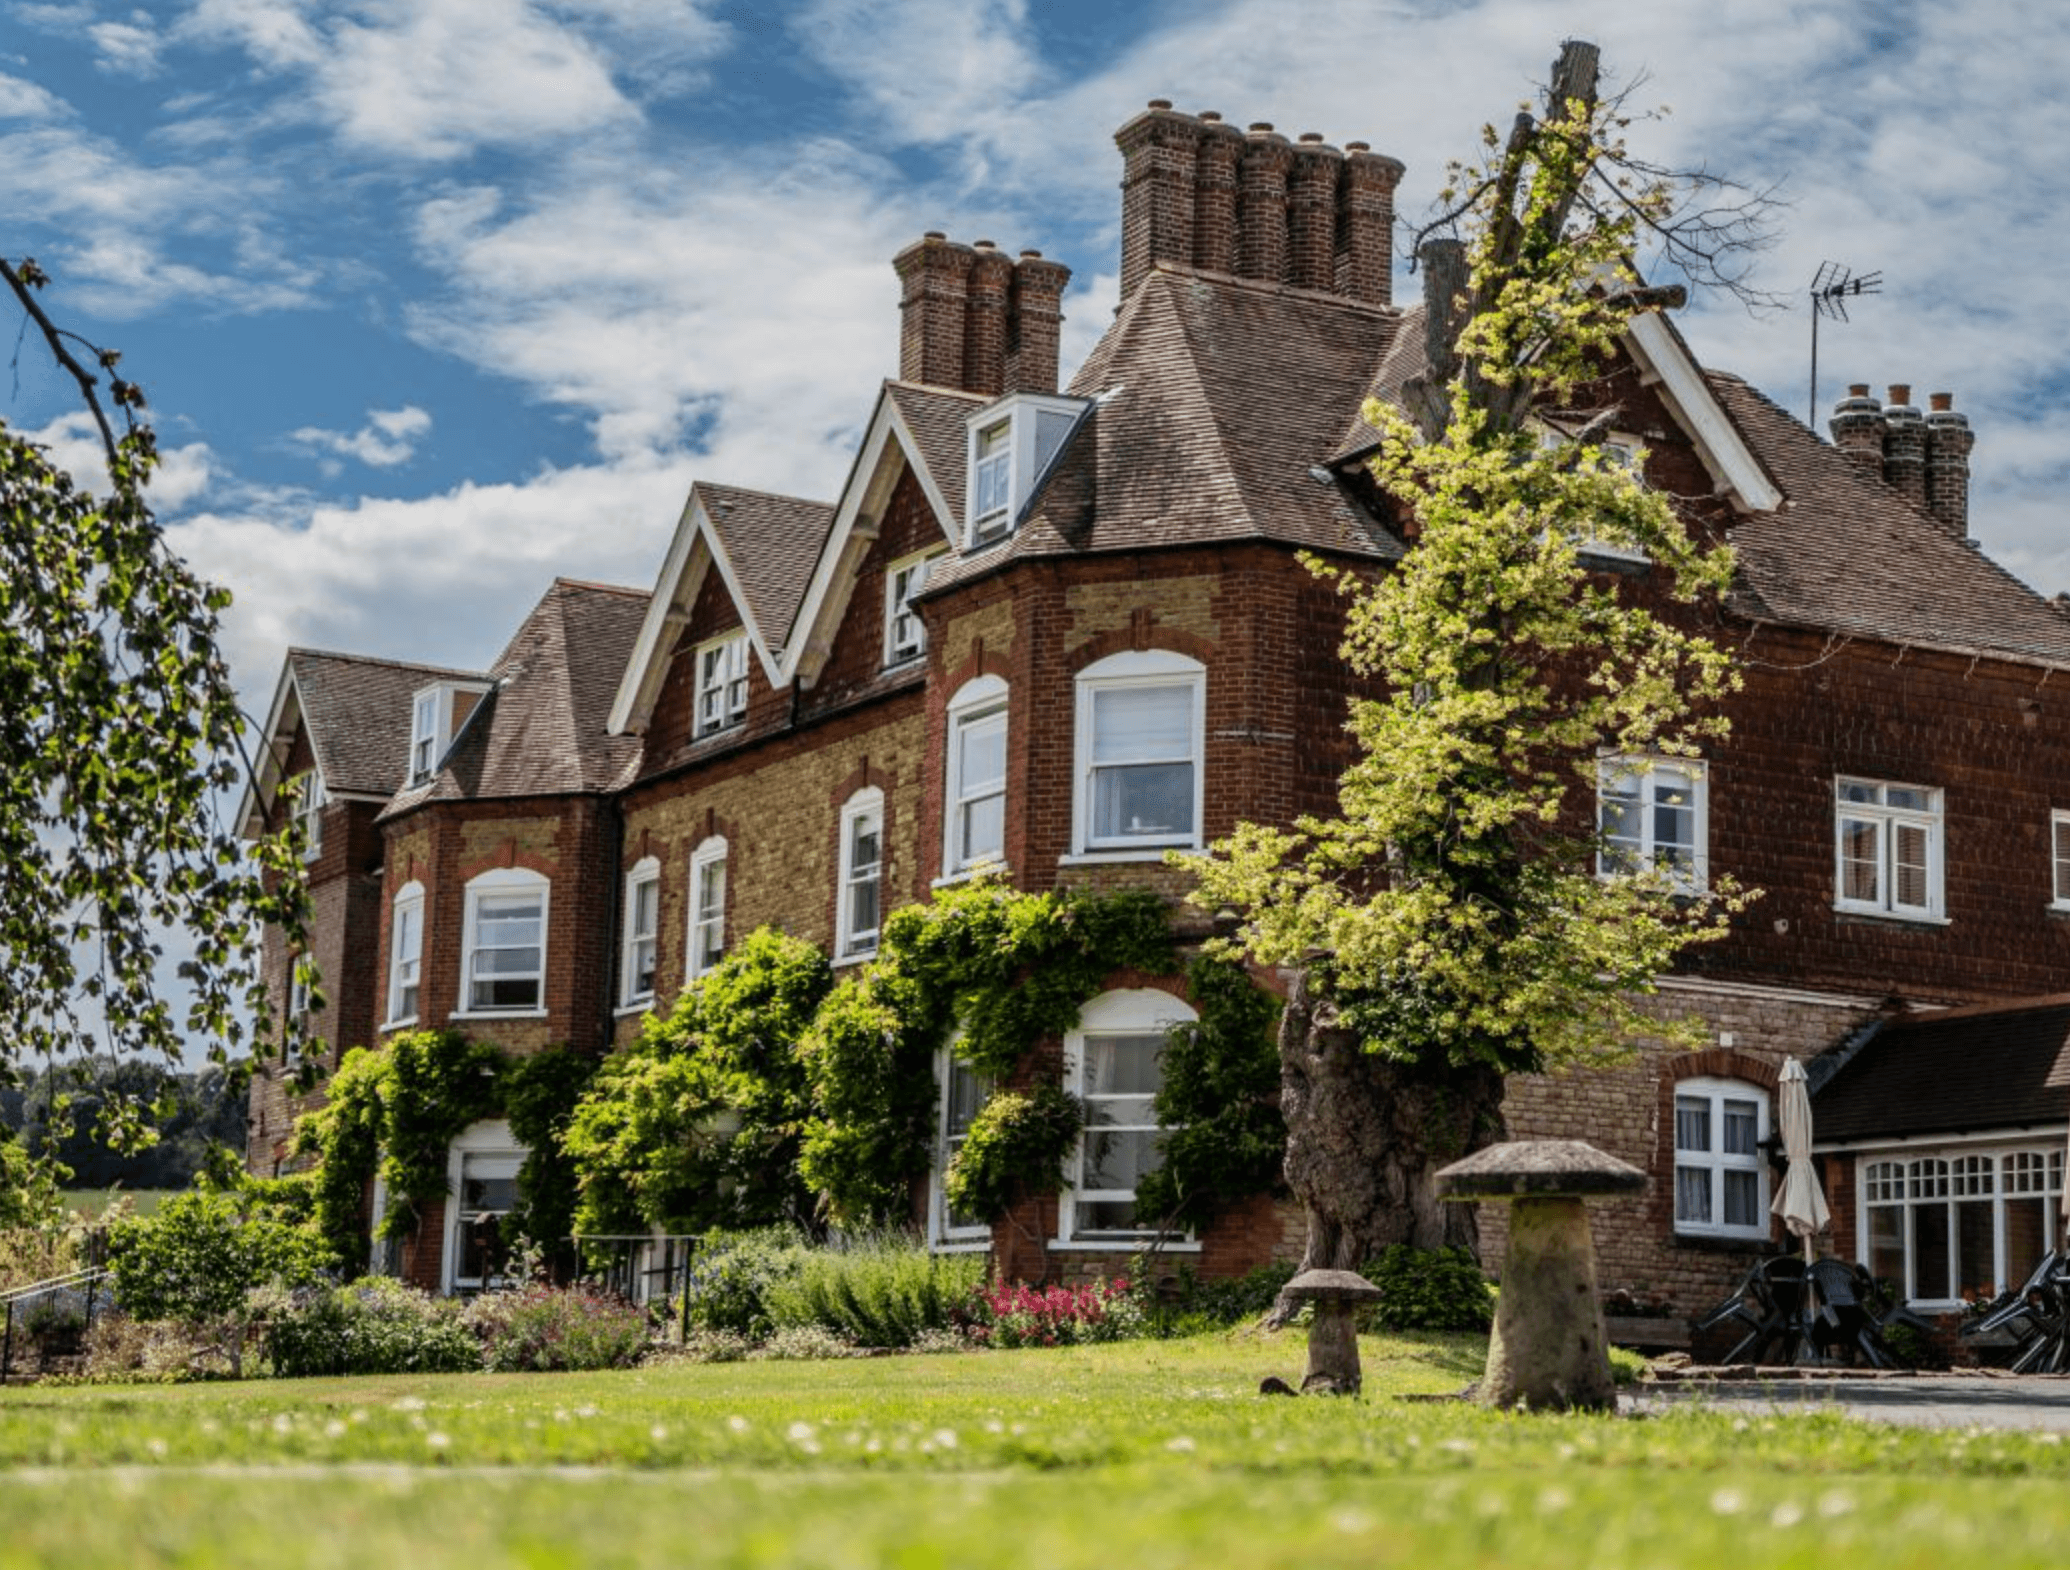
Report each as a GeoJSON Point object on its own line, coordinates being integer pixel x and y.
{"type": "Point", "coordinates": [1010, 445]}
{"type": "Point", "coordinates": [437, 714]}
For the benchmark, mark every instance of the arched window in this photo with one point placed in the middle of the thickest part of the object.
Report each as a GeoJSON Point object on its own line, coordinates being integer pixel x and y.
{"type": "Point", "coordinates": [1141, 719]}
{"type": "Point", "coordinates": [405, 955]}
{"type": "Point", "coordinates": [1721, 1174]}
{"type": "Point", "coordinates": [861, 898]}
{"type": "Point", "coordinates": [975, 812]}
{"type": "Point", "coordinates": [707, 940]}
{"type": "Point", "coordinates": [1114, 1064]}
{"type": "Point", "coordinates": [641, 924]}
{"type": "Point", "coordinates": [503, 966]}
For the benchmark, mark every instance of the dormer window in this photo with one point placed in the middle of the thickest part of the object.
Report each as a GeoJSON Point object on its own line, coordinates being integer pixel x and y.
{"type": "Point", "coordinates": [1011, 443]}
{"type": "Point", "coordinates": [436, 715]}
{"type": "Point", "coordinates": [722, 683]}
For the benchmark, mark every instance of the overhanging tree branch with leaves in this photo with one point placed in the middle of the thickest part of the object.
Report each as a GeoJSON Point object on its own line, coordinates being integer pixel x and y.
{"type": "Point", "coordinates": [1448, 927]}
{"type": "Point", "coordinates": [119, 734]}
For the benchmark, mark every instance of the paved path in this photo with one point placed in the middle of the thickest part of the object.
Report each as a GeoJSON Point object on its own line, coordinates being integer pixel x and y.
{"type": "Point", "coordinates": [1950, 1401]}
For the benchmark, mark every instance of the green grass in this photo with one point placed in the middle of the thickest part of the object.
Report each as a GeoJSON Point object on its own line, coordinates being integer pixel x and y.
{"type": "Point", "coordinates": [1140, 1454]}
{"type": "Point", "coordinates": [95, 1202]}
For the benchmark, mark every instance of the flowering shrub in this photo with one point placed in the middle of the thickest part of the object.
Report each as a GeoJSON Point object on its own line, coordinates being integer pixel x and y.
{"type": "Point", "coordinates": [1018, 1316]}
{"type": "Point", "coordinates": [555, 1328]}
{"type": "Point", "coordinates": [373, 1326]}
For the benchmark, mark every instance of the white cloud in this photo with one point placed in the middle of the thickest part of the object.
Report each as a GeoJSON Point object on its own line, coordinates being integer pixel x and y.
{"type": "Point", "coordinates": [127, 48]}
{"type": "Point", "coordinates": [20, 100]}
{"type": "Point", "coordinates": [930, 70]}
{"type": "Point", "coordinates": [362, 577]}
{"type": "Point", "coordinates": [184, 474]}
{"type": "Point", "coordinates": [389, 437]}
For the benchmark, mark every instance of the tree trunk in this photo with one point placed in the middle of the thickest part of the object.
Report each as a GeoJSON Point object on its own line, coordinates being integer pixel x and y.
{"type": "Point", "coordinates": [1364, 1136]}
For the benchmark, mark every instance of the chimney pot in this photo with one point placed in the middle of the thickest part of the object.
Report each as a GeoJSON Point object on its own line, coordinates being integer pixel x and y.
{"type": "Point", "coordinates": [1358, 147]}
{"type": "Point", "coordinates": [1037, 255]}
{"type": "Point", "coordinates": [1857, 389]}
{"type": "Point", "coordinates": [983, 245]}
{"type": "Point", "coordinates": [1900, 395]}
{"type": "Point", "coordinates": [1311, 136]}
{"type": "Point", "coordinates": [1941, 402]}
{"type": "Point", "coordinates": [1857, 426]}
{"type": "Point", "coordinates": [934, 234]}
{"type": "Point", "coordinates": [1211, 116]}
{"type": "Point", "coordinates": [1160, 103]}
{"type": "Point", "coordinates": [1261, 127]}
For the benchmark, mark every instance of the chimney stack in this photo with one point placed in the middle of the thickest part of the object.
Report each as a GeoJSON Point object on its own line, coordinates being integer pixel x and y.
{"type": "Point", "coordinates": [1904, 445]}
{"type": "Point", "coordinates": [1857, 426]}
{"type": "Point", "coordinates": [974, 320]}
{"type": "Point", "coordinates": [1948, 442]}
{"type": "Point", "coordinates": [1197, 192]}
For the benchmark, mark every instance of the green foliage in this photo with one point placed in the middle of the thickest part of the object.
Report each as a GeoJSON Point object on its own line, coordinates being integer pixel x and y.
{"type": "Point", "coordinates": [1017, 1145]}
{"type": "Point", "coordinates": [372, 1326]}
{"type": "Point", "coordinates": [63, 1112]}
{"type": "Point", "coordinates": [1219, 1099]}
{"type": "Point", "coordinates": [540, 1093]}
{"type": "Point", "coordinates": [119, 745]}
{"type": "Point", "coordinates": [734, 1273]}
{"type": "Point", "coordinates": [698, 1125]}
{"type": "Point", "coordinates": [399, 1106]}
{"type": "Point", "coordinates": [1185, 1305]}
{"type": "Point", "coordinates": [1007, 968]}
{"type": "Point", "coordinates": [28, 1188]}
{"type": "Point", "coordinates": [1429, 1289]}
{"type": "Point", "coordinates": [199, 1256]}
{"type": "Point", "coordinates": [543, 1329]}
{"type": "Point", "coordinates": [1455, 891]}
{"type": "Point", "coordinates": [882, 1290]}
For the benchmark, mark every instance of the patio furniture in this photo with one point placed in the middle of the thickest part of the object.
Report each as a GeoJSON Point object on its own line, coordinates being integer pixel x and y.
{"type": "Point", "coordinates": [2036, 1318]}
{"type": "Point", "coordinates": [1844, 1316]}
{"type": "Point", "coordinates": [1770, 1301]}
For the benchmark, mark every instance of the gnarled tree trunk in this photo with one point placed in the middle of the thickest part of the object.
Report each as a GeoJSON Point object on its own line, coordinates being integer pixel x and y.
{"type": "Point", "coordinates": [1366, 1133]}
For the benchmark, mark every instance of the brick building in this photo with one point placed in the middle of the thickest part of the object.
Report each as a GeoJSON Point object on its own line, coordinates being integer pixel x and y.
{"type": "Point", "coordinates": [1068, 632]}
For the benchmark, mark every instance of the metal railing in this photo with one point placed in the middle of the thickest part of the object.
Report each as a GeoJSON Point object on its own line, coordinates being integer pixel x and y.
{"type": "Point", "coordinates": [86, 1282]}
{"type": "Point", "coordinates": [636, 1263]}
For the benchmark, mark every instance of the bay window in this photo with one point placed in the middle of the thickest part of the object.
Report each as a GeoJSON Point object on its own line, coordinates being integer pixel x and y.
{"type": "Point", "coordinates": [504, 949]}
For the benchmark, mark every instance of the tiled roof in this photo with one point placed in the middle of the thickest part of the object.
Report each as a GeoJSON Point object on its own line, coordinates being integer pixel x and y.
{"type": "Point", "coordinates": [935, 416]}
{"type": "Point", "coordinates": [1218, 400]}
{"type": "Point", "coordinates": [540, 730]}
{"type": "Point", "coordinates": [1996, 1066]}
{"type": "Point", "coordinates": [357, 711]}
{"type": "Point", "coordinates": [1854, 555]}
{"type": "Point", "coordinates": [771, 542]}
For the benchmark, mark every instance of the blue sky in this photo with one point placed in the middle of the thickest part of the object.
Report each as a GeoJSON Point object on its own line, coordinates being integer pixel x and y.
{"type": "Point", "coordinates": [436, 300]}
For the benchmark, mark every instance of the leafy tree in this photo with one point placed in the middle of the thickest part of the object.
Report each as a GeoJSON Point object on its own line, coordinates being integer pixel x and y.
{"type": "Point", "coordinates": [1448, 923]}
{"type": "Point", "coordinates": [119, 736]}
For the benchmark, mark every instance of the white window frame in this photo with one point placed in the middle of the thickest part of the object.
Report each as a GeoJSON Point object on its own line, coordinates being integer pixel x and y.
{"type": "Point", "coordinates": [431, 726]}
{"type": "Point", "coordinates": [299, 989]}
{"type": "Point", "coordinates": [491, 1144]}
{"type": "Point", "coordinates": [1619, 450]}
{"type": "Point", "coordinates": [722, 684]}
{"type": "Point", "coordinates": [405, 917]}
{"type": "Point", "coordinates": [1128, 1011]}
{"type": "Point", "coordinates": [2026, 1170]}
{"type": "Point", "coordinates": [1140, 668]}
{"type": "Point", "coordinates": [1888, 820]}
{"type": "Point", "coordinates": [707, 862]}
{"type": "Point", "coordinates": [945, 1235]}
{"type": "Point", "coordinates": [1035, 427]}
{"type": "Point", "coordinates": [905, 634]}
{"type": "Point", "coordinates": [1717, 1162]}
{"type": "Point", "coordinates": [488, 885]}
{"type": "Point", "coordinates": [850, 941]}
{"type": "Point", "coordinates": [1648, 773]}
{"type": "Point", "coordinates": [978, 702]}
{"type": "Point", "coordinates": [2059, 860]}
{"type": "Point", "coordinates": [645, 878]}
{"type": "Point", "coordinates": [310, 800]}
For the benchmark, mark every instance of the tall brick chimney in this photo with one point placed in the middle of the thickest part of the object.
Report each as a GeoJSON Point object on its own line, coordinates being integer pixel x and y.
{"type": "Point", "coordinates": [1857, 427]}
{"type": "Point", "coordinates": [972, 319]}
{"type": "Point", "coordinates": [1035, 323]}
{"type": "Point", "coordinates": [1948, 442]}
{"type": "Point", "coordinates": [1904, 444]}
{"type": "Point", "coordinates": [1196, 192]}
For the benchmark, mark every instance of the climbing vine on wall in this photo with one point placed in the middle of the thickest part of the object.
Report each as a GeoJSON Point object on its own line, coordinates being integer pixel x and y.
{"type": "Point", "coordinates": [1009, 968]}
{"type": "Point", "coordinates": [1017, 1145]}
{"type": "Point", "coordinates": [540, 1093]}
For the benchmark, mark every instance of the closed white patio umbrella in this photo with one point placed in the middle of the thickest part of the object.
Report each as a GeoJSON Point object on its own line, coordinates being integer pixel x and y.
{"type": "Point", "coordinates": [1801, 1203]}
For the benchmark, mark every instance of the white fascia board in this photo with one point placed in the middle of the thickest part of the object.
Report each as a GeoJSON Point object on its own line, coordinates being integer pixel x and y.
{"type": "Point", "coordinates": [733, 592]}
{"type": "Point", "coordinates": [1725, 454]}
{"type": "Point", "coordinates": [675, 591]}
{"type": "Point", "coordinates": [260, 786]}
{"type": "Point", "coordinates": [887, 445]}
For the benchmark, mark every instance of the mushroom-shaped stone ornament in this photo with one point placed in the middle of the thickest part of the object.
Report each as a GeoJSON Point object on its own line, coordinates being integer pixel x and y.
{"type": "Point", "coordinates": [1333, 1338]}
{"type": "Point", "coordinates": [1548, 1349]}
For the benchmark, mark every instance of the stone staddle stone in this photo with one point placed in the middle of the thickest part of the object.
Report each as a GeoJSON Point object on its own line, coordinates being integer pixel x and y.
{"type": "Point", "coordinates": [1549, 1349]}
{"type": "Point", "coordinates": [1333, 1366]}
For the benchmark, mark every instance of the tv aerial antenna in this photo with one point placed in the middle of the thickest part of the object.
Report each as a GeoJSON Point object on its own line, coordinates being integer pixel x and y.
{"type": "Point", "coordinates": [1831, 289]}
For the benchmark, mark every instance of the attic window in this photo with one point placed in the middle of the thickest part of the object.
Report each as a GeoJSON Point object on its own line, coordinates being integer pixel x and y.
{"type": "Point", "coordinates": [1011, 443]}
{"type": "Point", "coordinates": [722, 683]}
{"type": "Point", "coordinates": [436, 714]}
{"type": "Point", "coordinates": [309, 804]}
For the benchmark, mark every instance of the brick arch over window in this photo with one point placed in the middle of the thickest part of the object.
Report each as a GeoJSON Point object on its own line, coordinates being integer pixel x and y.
{"type": "Point", "coordinates": [509, 857]}
{"type": "Point", "coordinates": [1139, 637]}
{"type": "Point", "coordinates": [864, 775]}
{"type": "Point", "coordinates": [1711, 1063]}
{"type": "Point", "coordinates": [980, 662]}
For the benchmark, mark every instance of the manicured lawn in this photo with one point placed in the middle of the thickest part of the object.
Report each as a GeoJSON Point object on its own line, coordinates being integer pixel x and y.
{"type": "Point", "coordinates": [96, 1201]}
{"type": "Point", "coordinates": [1136, 1455]}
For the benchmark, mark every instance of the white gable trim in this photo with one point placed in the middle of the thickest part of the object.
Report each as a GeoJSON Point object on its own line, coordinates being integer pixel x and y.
{"type": "Point", "coordinates": [263, 782]}
{"type": "Point", "coordinates": [1664, 360]}
{"type": "Point", "coordinates": [668, 611]}
{"type": "Point", "coordinates": [888, 448]}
